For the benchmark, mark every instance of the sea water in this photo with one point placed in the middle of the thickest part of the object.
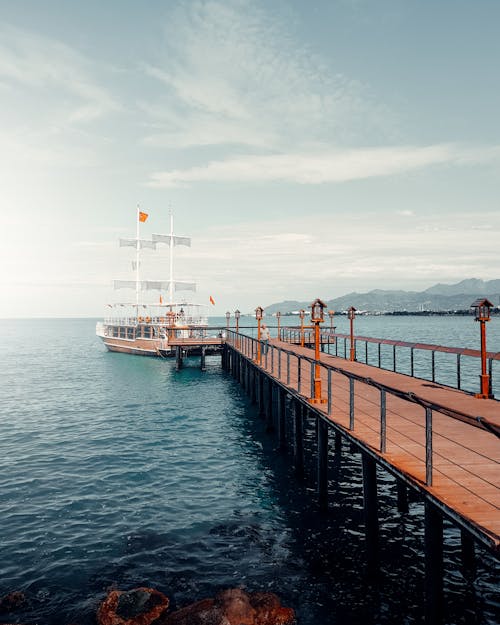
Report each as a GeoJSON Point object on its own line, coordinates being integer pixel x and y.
{"type": "Point", "coordinates": [116, 471]}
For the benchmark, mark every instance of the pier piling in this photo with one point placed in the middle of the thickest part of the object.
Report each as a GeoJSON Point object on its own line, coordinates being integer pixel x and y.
{"type": "Point", "coordinates": [370, 509]}
{"type": "Point", "coordinates": [433, 547]}
{"type": "Point", "coordinates": [322, 467]}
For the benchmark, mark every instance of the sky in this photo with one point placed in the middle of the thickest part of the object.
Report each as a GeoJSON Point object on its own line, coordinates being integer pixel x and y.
{"type": "Point", "coordinates": [310, 149]}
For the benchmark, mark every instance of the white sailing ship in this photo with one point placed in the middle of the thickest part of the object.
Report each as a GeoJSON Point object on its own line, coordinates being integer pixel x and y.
{"type": "Point", "coordinates": [148, 328]}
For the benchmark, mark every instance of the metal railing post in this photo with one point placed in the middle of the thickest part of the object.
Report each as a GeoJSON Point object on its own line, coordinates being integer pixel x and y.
{"type": "Point", "coordinates": [428, 446]}
{"type": "Point", "coordinates": [351, 403]}
{"type": "Point", "coordinates": [329, 392]}
{"type": "Point", "coordinates": [383, 424]}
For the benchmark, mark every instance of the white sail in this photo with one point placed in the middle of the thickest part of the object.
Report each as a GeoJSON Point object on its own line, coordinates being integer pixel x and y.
{"type": "Point", "coordinates": [143, 243]}
{"type": "Point", "coordinates": [124, 284]}
{"type": "Point", "coordinates": [167, 238]}
{"type": "Point", "coordinates": [164, 285]}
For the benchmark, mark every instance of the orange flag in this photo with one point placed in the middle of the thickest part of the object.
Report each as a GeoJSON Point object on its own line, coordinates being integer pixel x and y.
{"type": "Point", "coordinates": [161, 299]}
{"type": "Point", "coordinates": [212, 301]}
{"type": "Point", "coordinates": [143, 216]}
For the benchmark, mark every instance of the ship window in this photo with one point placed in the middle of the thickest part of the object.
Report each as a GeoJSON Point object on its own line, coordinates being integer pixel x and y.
{"type": "Point", "coordinates": [122, 333]}
{"type": "Point", "coordinates": [130, 333]}
{"type": "Point", "coordinates": [116, 332]}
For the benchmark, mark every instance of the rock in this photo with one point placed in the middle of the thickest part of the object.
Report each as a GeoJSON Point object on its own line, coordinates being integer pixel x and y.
{"type": "Point", "coordinates": [236, 606]}
{"type": "Point", "coordinates": [202, 612]}
{"type": "Point", "coordinates": [140, 606]}
{"type": "Point", "coordinates": [12, 601]}
{"type": "Point", "coordinates": [269, 609]}
{"type": "Point", "coordinates": [233, 607]}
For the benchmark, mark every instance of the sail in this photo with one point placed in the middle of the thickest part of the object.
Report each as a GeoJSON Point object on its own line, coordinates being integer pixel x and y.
{"type": "Point", "coordinates": [164, 285]}
{"type": "Point", "coordinates": [165, 238]}
{"type": "Point", "coordinates": [184, 286]}
{"type": "Point", "coordinates": [124, 284]}
{"type": "Point", "coordinates": [143, 243]}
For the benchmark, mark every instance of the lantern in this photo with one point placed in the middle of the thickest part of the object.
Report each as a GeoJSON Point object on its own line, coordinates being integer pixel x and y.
{"type": "Point", "coordinates": [317, 308]}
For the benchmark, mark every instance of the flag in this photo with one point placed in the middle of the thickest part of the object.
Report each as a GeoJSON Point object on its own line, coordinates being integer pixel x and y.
{"type": "Point", "coordinates": [161, 299]}
{"type": "Point", "coordinates": [212, 301]}
{"type": "Point", "coordinates": [143, 216]}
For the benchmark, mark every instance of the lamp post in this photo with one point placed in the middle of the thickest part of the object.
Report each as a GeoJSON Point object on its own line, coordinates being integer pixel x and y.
{"type": "Point", "coordinates": [331, 314]}
{"type": "Point", "coordinates": [302, 314]}
{"type": "Point", "coordinates": [258, 315]}
{"type": "Point", "coordinates": [351, 314]}
{"type": "Point", "coordinates": [228, 316]}
{"type": "Point", "coordinates": [317, 317]}
{"type": "Point", "coordinates": [482, 311]}
{"type": "Point", "coordinates": [278, 317]}
{"type": "Point", "coordinates": [237, 315]}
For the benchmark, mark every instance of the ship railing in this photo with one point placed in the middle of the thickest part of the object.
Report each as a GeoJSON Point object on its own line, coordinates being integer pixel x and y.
{"type": "Point", "coordinates": [298, 372]}
{"type": "Point", "coordinates": [455, 367]}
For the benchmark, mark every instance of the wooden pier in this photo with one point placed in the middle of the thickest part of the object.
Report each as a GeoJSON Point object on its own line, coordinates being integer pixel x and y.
{"type": "Point", "coordinates": [437, 440]}
{"type": "Point", "coordinates": [201, 346]}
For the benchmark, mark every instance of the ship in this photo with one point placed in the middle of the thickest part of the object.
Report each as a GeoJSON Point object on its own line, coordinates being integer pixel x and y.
{"type": "Point", "coordinates": [153, 329]}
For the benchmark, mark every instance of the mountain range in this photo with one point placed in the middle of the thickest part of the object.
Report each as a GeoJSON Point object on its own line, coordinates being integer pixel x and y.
{"type": "Point", "coordinates": [440, 297]}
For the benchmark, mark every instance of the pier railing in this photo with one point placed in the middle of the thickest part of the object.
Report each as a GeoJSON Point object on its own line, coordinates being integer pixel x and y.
{"type": "Point", "coordinates": [353, 400]}
{"type": "Point", "coordinates": [420, 360]}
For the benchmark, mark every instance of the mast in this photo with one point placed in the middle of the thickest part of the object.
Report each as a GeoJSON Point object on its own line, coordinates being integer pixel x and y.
{"type": "Point", "coordinates": [171, 283]}
{"type": "Point", "coordinates": [137, 248]}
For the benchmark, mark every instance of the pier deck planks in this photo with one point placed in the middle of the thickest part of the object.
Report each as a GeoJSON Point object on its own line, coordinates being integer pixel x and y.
{"type": "Point", "coordinates": [466, 459]}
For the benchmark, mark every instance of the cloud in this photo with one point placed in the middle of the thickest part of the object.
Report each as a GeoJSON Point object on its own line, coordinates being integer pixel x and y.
{"type": "Point", "coordinates": [233, 75]}
{"type": "Point", "coordinates": [43, 64]}
{"type": "Point", "coordinates": [323, 166]}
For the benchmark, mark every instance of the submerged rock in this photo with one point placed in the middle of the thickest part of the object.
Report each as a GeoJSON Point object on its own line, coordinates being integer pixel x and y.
{"type": "Point", "coordinates": [269, 610]}
{"type": "Point", "coordinates": [12, 601]}
{"type": "Point", "coordinates": [202, 612]}
{"type": "Point", "coordinates": [140, 606]}
{"type": "Point", "coordinates": [233, 607]}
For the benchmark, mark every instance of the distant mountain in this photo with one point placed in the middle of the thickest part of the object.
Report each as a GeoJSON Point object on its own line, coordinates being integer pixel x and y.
{"type": "Point", "coordinates": [436, 298]}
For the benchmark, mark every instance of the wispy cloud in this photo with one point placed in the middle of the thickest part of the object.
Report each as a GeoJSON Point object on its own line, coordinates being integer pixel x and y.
{"type": "Point", "coordinates": [233, 75]}
{"type": "Point", "coordinates": [324, 166]}
{"type": "Point", "coordinates": [41, 63]}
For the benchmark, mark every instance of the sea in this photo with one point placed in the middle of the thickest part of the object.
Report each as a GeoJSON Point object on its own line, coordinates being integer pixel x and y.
{"type": "Point", "coordinates": [116, 472]}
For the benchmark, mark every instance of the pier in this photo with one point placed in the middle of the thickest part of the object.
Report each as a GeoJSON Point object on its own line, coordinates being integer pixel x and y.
{"type": "Point", "coordinates": [435, 439]}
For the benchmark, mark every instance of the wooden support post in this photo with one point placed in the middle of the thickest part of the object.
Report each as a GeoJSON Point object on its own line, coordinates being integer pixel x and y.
{"type": "Point", "coordinates": [203, 366]}
{"type": "Point", "coordinates": [178, 358]}
{"type": "Point", "coordinates": [253, 384]}
{"type": "Point", "coordinates": [433, 564]}
{"type": "Point", "coordinates": [281, 410]}
{"type": "Point", "coordinates": [370, 509]}
{"type": "Point", "coordinates": [468, 556]}
{"type": "Point", "coordinates": [247, 378]}
{"type": "Point", "coordinates": [270, 411]}
{"type": "Point", "coordinates": [261, 393]}
{"type": "Point", "coordinates": [322, 466]}
{"type": "Point", "coordinates": [402, 494]}
{"type": "Point", "coordinates": [298, 433]}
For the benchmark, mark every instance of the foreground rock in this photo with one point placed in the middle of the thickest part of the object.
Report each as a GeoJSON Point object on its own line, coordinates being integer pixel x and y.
{"type": "Point", "coordinates": [140, 606]}
{"type": "Point", "coordinates": [233, 607]}
{"type": "Point", "coordinates": [12, 601]}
